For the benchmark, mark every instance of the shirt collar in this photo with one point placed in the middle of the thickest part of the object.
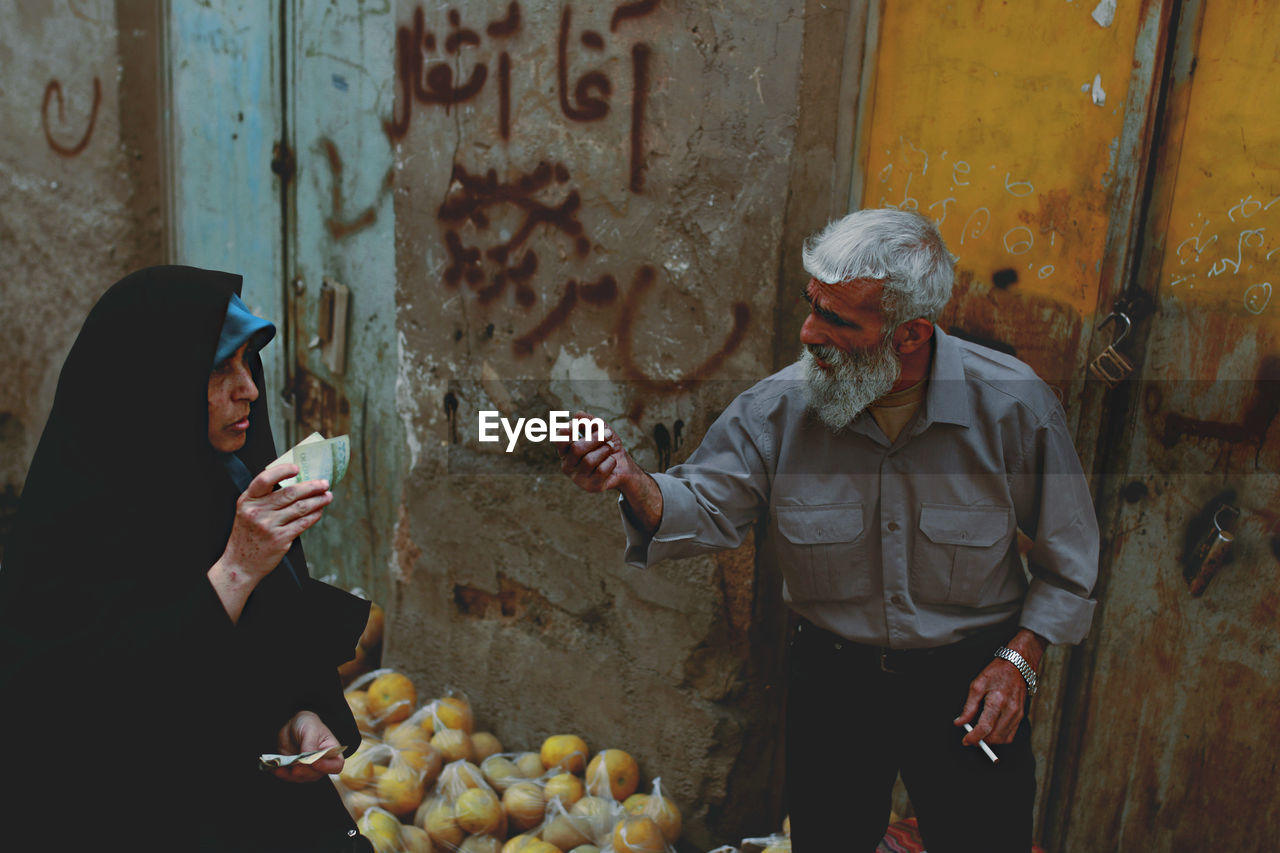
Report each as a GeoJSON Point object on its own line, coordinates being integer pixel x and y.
{"type": "Point", "coordinates": [947, 396]}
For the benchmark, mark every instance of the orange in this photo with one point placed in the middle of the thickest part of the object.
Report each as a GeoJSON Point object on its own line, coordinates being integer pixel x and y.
{"type": "Point", "coordinates": [638, 834]}
{"type": "Point", "coordinates": [400, 789]}
{"type": "Point", "coordinates": [500, 771]}
{"type": "Point", "coordinates": [358, 770]}
{"type": "Point", "coordinates": [453, 712]}
{"type": "Point", "coordinates": [355, 666]}
{"type": "Point", "coordinates": [458, 776]}
{"type": "Point", "coordinates": [391, 698]}
{"type": "Point", "coordinates": [568, 752]}
{"type": "Point", "coordinates": [529, 764]}
{"type": "Point", "coordinates": [358, 802]}
{"type": "Point", "coordinates": [666, 815]}
{"type": "Point", "coordinates": [406, 735]}
{"type": "Point", "coordinates": [358, 701]}
{"type": "Point", "coordinates": [372, 634]}
{"type": "Point", "coordinates": [613, 773]}
{"type": "Point", "coordinates": [566, 786]}
{"type": "Point", "coordinates": [442, 825]}
{"type": "Point", "coordinates": [454, 745]}
{"type": "Point", "coordinates": [481, 844]}
{"type": "Point", "coordinates": [382, 830]}
{"type": "Point", "coordinates": [478, 811]}
{"type": "Point", "coordinates": [567, 832]}
{"type": "Point", "coordinates": [485, 744]}
{"type": "Point", "coordinates": [426, 761]}
{"type": "Point", "coordinates": [525, 804]}
{"type": "Point", "coordinates": [528, 844]}
{"type": "Point", "coordinates": [414, 839]}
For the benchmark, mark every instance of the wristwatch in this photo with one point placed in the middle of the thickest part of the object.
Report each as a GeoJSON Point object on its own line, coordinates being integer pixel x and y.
{"type": "Point", "coordinates": [1028, 674]}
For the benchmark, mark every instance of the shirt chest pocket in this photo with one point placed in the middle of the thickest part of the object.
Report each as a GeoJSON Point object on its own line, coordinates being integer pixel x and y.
{"type": "Point", "coordinates": [959, 552]}
{"type": "Point", "coordinates": [822, 551]}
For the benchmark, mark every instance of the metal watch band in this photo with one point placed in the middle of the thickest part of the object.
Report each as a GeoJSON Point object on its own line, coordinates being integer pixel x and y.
{"type": "Point", "coordinates": [1028, 674]}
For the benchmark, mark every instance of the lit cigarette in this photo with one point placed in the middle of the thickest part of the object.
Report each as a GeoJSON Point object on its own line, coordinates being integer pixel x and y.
{"type": "Point", "coordinates": [983, 744]}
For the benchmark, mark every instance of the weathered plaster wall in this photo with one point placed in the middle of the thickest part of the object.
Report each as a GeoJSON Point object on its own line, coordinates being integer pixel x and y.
{"type": "Point", "coordinates": [79, 201]}
{"type": "Point", "coordinates": [650, 156]}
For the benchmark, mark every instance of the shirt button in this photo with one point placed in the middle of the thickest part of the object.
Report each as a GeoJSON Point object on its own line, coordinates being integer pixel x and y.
{"type": "Point", "coordinates": [897, 600]}
{"type": "Point", "coordinates": [893, 527]}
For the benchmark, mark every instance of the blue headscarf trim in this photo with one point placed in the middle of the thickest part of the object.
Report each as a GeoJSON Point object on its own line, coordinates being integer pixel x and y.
{"type": "Point", "coordinates": [241, 326]}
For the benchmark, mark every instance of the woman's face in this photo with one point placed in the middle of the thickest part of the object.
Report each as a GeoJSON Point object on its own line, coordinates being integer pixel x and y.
{"type": "Point", "coordinates": [231, 390]}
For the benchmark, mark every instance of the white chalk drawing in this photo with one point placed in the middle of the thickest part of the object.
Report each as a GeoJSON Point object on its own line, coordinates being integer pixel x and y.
{"type": "Point", "coordinates": [1246, 237]}
{"type": "Point", "coordinates": [944, 202]}
{"type": "Point", "coordinates": [1023, 188]}
{"type": "Point", "coordinates": [1196, 261]}
{"type": "Point", "coordinates": [1018, 241]}
{"type": "Point", "coordinates": [908, 162]}
{"type": "Point", "coordinates": [980, 219]}
{"type": "Point", "coordinates": [1257, 297]}
{"type": "Point", "coordinates": [1247, 207]}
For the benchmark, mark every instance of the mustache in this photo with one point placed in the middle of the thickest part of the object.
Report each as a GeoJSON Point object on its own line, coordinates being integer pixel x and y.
{"type": "Point", "coordinates": [826, 352]}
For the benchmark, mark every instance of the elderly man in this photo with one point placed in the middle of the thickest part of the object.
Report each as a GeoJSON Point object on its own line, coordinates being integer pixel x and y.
{"type": "Point", "coordinates": [887, 473]}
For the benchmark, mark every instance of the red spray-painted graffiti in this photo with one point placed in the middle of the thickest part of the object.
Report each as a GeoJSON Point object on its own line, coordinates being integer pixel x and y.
{"type": "Point", "coordinates": [473, 199]}
{"type": "Point", "coordinates": [584, 99]}
{"type": "Point", "coordinates": [54, 90]}
{"type": "Point", "coordinates": [338, 226]}
{"type": "Point", "coordinates": [643, 281]}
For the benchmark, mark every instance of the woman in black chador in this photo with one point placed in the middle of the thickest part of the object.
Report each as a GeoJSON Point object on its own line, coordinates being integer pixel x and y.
{"type": "Point", "coordinates": [160, 629]}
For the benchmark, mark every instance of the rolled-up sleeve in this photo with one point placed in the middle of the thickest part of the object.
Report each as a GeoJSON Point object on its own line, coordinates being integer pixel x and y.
{"type": "Point", "coordinates": [1056, 511]}
{"type": "Point", "coordinates": [710, 501]}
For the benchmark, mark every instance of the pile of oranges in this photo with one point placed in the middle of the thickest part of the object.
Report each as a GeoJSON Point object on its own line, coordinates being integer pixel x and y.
{"type": "Point", "coordinates": [424, 780]}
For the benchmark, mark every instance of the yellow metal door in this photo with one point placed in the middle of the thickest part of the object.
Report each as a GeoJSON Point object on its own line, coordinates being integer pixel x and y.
{"type": "Point", "coordinates": [1173, 743]}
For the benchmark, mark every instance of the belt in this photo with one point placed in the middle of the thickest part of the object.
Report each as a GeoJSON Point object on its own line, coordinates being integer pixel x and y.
{"type": "Point", "coordinates": [908, 660]}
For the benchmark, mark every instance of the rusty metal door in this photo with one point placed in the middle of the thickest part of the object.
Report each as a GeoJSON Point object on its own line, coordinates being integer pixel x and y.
{"type": "Point", "coordinates": [222, 124]}
{"type": "Point", "coordinates": [341, 267]}
{"type": "Point", "coordinates": [1172, 740]}
{"type": "Point", "coordinates": [1023, 130]}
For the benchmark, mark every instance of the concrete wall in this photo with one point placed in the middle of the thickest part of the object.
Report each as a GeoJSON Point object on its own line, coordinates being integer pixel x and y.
{"type": "Point", "coordinates": [79, 192]}
{"type": "Point", "coordinates": [645, 293]}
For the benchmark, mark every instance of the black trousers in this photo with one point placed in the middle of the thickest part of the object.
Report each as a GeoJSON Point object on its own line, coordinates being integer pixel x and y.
{"type": "Point", "coordinates": [856, 718]}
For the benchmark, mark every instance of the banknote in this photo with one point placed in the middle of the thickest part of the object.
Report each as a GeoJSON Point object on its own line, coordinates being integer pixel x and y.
{"type": "Point", "coordinates": [318, 458]}
{"type": "Point", "coordinates": [266, 761]}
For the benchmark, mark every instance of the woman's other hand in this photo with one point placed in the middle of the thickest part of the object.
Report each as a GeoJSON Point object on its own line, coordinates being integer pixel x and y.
{"type": "Point", "coordinates": [306, 732]}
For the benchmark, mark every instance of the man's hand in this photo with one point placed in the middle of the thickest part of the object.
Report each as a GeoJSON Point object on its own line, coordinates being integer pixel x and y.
{"type": "Point", "coordinates": [306, 732]}
{"type": "Point", "coordinates": [598, 464]}
{"type": "Point", "coordinates": [1002, 693]}
{"type": "Point", "coordinates": [267, 521]}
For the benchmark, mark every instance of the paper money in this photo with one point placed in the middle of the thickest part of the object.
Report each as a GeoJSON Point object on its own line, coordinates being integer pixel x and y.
{"type": "Point", "coordinates": [317, 458]}
{"type": "Point", "coordinates": [269, 760]}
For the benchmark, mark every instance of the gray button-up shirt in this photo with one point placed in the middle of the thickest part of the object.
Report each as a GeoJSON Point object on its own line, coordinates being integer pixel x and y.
{"type": "Point", "coordinates": [909, 544]}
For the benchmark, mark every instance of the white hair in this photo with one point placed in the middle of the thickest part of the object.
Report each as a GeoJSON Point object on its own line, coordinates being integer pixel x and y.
{"type": "Point", "coordinates": [901, 249]}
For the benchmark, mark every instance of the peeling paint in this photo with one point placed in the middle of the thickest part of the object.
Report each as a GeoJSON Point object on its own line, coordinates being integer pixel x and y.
{"type": "Point", "coordinates": [405, 401]}
{"type": "Point", "coordinates": [1096, 92]}
{"type": "Point", "coordinates": [1104, 13]}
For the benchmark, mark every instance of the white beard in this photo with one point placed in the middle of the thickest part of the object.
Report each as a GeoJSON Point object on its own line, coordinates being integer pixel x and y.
{"type": "Point", "coordinates": [858, 379]}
